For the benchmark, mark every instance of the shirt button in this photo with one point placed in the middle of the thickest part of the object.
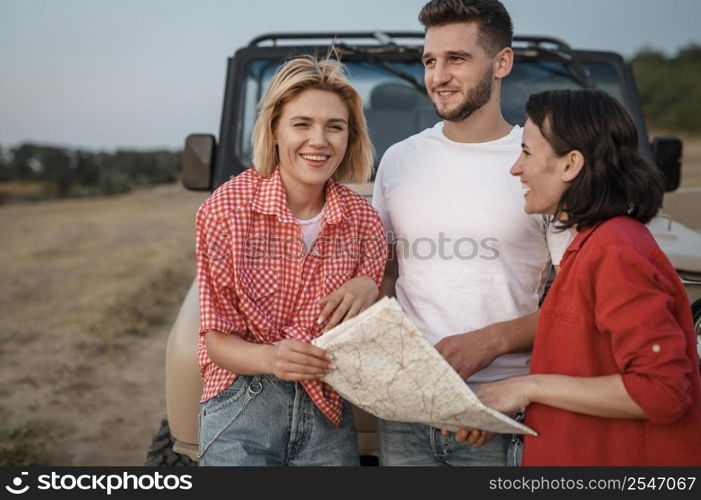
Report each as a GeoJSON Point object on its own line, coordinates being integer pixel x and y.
{"type": "Point", "coordinates": [656, 348]}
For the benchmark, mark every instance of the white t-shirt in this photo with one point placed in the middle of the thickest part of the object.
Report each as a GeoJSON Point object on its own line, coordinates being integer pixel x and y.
{"type": "Point", "coordinates": [310, 230]}
{"type": "Point", "coordinates": [469, 256]}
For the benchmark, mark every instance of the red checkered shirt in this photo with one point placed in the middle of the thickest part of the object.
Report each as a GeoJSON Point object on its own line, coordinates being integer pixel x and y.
{"type": "Point", "coordinates": [255, 280]}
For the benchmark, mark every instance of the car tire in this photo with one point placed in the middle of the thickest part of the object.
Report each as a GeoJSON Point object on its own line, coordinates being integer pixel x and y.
{"type": "Point", "coordinates": [161, 454]}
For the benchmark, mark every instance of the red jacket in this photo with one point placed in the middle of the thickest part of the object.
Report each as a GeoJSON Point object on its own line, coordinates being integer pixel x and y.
{"type": "Point", "coordinates": [618, 306]}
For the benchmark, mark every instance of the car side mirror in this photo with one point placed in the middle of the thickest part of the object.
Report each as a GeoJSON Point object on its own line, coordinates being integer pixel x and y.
{"type": "Point", "coordinates": [198, 161]}
{"type": "Point", "coordinates": [667, 152]}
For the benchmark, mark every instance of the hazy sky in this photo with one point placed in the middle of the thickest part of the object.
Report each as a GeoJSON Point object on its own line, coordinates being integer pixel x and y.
{"type": "Point", "coordinates": [145, 73]}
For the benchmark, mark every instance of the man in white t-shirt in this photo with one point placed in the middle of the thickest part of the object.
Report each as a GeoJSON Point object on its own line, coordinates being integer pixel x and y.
{"type": "Point", "coordinates": [469, 265]}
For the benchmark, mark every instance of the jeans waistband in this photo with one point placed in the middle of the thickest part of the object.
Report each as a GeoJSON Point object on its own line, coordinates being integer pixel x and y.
{"type": "Point", "coordinates": [268, 378]}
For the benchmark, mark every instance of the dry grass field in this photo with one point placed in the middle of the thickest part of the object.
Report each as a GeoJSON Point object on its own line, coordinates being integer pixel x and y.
{"type": "Point", "coordinates": [88, 290]}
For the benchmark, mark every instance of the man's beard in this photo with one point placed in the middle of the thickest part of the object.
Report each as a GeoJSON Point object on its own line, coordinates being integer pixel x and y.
{"type": "Point", "coordinates": [477, 97]}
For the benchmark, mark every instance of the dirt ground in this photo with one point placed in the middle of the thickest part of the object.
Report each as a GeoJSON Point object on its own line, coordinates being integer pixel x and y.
{"type": "Point", "coordinates": [88, 291]}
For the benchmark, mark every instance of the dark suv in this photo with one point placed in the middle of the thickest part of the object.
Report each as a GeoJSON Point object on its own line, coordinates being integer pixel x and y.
{"type": "Point", "coordinates": [386, 69]}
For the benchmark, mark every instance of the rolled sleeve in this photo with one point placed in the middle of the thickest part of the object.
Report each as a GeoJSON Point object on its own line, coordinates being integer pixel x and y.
{"type": "Point", "coordinates": [378, 193]}
{"type": "Point", "coordinates": [215, 275]}
{"type": "Point", "coordinates": [635, 308]}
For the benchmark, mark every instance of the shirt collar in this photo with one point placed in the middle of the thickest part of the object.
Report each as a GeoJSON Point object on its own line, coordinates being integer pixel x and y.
{"type": "Point", "coordinates": [334, 206]}
{"type": "Point", "coordinates": [270, 199]}
{"type": "Point", "coordinates": [579, 240]}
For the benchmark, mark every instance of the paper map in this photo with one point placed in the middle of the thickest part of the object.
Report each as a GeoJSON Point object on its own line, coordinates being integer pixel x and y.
{"type": "Point", "coordinates": [386, 367]}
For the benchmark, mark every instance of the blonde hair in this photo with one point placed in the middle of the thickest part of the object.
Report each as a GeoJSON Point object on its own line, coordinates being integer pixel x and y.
{"type": "Point", "coordinates": [293, 78]}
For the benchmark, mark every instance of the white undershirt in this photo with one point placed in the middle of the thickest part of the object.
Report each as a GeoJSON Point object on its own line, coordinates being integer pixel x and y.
{"type": "Point", "coordinates": [310, 230]}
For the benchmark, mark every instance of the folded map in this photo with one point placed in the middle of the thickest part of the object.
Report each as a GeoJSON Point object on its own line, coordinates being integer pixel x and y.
{"type": "Point", "coordinates": [385, 366]}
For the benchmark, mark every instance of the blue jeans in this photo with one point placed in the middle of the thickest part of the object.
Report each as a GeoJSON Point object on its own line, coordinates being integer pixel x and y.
{"type": "Point", "coordinates": [262, 420]}
{"type": "Point", "coordinates": [410, 444]}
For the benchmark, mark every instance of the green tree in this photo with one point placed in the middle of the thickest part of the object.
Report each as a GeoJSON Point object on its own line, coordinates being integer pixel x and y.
{"type": "Point", "coordinates": [669, 88]}
{"type": "Point", "coordinates": [86, 170]}
{"type": "Point", "coordinates": [5, 172]}
{"type": "Point", "coordinates": [26, 164]}
{"type": "Point", "coordinates": [58, 171]}
{"type": "Point", "coordinates": [68, 172]}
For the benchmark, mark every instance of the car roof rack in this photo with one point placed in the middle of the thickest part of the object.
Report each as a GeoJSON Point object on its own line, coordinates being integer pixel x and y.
{"type": "Point", "coordinates": [389, 38]}
{"type": "Point", "coordinates": [383, 37]}
{"type": "Point", "coordinates": [537, 42]}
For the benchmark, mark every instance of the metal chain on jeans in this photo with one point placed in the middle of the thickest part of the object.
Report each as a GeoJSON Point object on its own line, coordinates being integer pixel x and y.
{"type": "Point", "coordinates": [516, 441]}
{"type": "Point", "coordinates": [251, 394]}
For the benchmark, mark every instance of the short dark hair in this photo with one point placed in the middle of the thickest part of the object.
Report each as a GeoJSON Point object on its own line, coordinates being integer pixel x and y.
{"type": "Point", "coordinates": [495, 28]}
{"type": "Point", "coordinates": [615, 179]}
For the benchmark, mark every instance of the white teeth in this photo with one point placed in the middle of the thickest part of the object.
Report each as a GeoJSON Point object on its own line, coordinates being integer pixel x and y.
{"type": "Point", "coordinates": [315, 157]}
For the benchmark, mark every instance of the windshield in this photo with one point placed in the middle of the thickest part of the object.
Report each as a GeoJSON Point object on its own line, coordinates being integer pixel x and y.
{"type": "Point", "coordinates": [396, 109]}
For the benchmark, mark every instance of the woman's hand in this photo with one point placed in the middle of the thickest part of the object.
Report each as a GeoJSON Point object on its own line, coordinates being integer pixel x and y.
{"type": "Point", "coordinates": [295, 360]}
{"type": "Point", "coordinates": [508, 395]}
{"type": "Point", "coordinates": [348, 300]}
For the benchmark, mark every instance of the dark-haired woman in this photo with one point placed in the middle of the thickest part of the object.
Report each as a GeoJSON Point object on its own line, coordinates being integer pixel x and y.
{"type": "Point", "coordinates": [614, 376]}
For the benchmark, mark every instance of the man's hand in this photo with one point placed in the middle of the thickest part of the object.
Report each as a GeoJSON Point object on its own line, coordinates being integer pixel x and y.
{"type": "Point", "coordinates": [469, 352]}
{"type": "Point", "coordinates": [473, 437]}
{"type": "Point", "coordinates": [354, 296]}
{"type": "Point", "coordinates": [295, 360]}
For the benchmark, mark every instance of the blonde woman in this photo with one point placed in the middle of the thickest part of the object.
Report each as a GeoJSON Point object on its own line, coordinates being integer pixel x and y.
{"type": "Point", "coordinates": [285, 252]}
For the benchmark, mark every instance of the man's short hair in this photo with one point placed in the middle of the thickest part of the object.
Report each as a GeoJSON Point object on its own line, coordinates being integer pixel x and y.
{"type": "Point", "coordinates": [495, 28]}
